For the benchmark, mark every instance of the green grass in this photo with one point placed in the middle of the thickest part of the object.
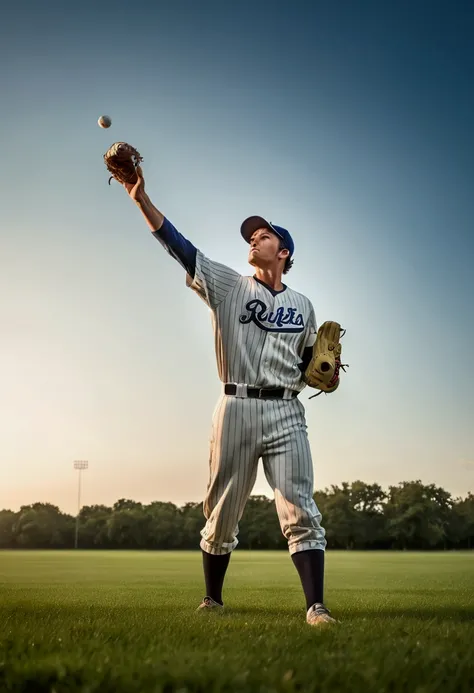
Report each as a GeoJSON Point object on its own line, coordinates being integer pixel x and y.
{"type": "Point", "coordinates": [126, 622]}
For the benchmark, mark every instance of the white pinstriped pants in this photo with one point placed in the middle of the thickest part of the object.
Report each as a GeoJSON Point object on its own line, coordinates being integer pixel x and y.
{"type": "Point", "coordinates": [243, 431]}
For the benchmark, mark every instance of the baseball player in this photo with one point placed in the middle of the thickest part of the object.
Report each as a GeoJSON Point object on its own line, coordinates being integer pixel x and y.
{"type": "Point", "coordinates": [264, 333]}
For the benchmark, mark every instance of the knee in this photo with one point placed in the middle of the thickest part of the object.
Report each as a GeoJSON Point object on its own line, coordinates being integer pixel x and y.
{"type": "Point", "coordinates": [303, 528]}
{"type": "Point", "coordinates": [305, 538]}
{"type": "Point", "coordinates": [217, 544]}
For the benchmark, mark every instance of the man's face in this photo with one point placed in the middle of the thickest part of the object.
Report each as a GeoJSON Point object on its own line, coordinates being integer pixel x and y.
{"type": "Point", "coordinates": [265, 249]}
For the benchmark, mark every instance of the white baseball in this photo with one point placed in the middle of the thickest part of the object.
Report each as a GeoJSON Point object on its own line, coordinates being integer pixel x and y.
{"type": "Point", "coordinates": [104, 121]}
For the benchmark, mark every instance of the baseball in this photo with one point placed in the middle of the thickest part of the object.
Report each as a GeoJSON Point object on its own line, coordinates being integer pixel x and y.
{"type": "Point", "coordinates": [104, 121]}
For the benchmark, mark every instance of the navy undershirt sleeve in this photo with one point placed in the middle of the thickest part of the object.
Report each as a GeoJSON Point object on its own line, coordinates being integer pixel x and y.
{"type": "Point", "coordinates": [177, 246]}
{"type": "Point", "coordinates": [307, 356]}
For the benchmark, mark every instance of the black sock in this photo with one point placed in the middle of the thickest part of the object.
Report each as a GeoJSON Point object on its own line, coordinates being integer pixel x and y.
{"type": "Point", "coordinates": [310, 566]}
{"type": "Point", "coordinates": [214, 573]}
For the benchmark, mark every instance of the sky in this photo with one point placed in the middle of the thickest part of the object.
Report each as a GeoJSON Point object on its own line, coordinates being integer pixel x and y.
{"type": "Point", "coordinates": [351, 124]}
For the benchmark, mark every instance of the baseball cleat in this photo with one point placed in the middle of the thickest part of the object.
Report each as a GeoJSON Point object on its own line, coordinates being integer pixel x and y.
{"type": "Point", "coordinates": [318, 615]}
{"type": "Point", "coordinates": [208, 604]}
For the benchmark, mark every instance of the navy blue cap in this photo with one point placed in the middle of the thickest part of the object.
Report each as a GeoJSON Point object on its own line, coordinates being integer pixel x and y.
{"type": "Point", "coordinates": [251, 224]}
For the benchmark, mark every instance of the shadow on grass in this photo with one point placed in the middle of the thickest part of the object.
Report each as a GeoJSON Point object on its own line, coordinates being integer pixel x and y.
{"type": "Point", "coordinates": [441, 613]}
{"type": "Point", "coordinates": [359, 612]}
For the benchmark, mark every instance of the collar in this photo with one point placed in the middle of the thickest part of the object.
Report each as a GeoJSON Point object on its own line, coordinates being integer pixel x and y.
{"type": "Point", "coordinates": [273, 291]}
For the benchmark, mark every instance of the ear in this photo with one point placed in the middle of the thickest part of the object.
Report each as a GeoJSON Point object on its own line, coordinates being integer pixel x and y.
{"type": "Point", "coordinates": [284, 253]}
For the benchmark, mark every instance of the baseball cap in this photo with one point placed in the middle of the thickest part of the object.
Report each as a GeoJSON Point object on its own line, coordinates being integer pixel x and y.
{"type": "Point", "coordinates": [251, 224]}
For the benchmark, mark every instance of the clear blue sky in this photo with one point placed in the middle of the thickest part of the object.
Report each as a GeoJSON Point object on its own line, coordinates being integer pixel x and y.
{"type": "Point", "coordinates": [349, 123]}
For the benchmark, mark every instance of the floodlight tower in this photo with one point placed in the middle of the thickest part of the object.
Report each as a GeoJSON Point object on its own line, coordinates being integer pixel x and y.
{"type": "Point", "coordinates": [80, 465]}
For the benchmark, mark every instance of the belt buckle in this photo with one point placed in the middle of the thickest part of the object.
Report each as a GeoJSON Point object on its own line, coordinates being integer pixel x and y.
{"type": "Point", "coordinates": [241, 390]}
{"type": "Point", "coordinates": [260, 390]}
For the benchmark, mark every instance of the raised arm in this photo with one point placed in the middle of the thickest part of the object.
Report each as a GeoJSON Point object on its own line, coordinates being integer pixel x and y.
{"type": "Point", "coordinates": [175, 243]}
{"type": "Point", "coordinates": [211, 280]}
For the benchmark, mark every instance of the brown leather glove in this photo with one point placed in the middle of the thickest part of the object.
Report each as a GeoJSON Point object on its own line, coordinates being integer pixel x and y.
{"type": "Point", "coordinates": [122, 160]}
{"type": "Point", "coordinates": [322, 372]}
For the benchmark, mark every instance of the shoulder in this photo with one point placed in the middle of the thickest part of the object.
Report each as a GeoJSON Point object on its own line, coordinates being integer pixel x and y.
{"type": "Point", "coordinates": [204, 261]}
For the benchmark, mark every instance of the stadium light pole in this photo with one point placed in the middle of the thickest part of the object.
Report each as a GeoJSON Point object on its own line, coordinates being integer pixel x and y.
{"type": "Point", "coordinates": [80, 465]}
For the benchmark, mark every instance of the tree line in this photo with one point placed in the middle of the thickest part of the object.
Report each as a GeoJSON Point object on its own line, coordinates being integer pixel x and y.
{"type": "Point", "coordinates": [356, 515]}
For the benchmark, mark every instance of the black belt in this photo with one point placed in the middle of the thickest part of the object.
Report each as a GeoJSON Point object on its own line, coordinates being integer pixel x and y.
{"type": "Point", "coordinates": [259, 393]}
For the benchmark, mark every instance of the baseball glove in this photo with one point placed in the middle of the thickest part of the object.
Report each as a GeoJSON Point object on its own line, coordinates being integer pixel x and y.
{"type": "Point", "coordinates": [322, 372]}
{"type": "Point", "coordinates": [122, 160]}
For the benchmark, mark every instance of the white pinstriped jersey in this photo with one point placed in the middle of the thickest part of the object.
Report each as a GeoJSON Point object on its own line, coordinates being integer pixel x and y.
{"type": "Point", "coordinates": [259, 337]}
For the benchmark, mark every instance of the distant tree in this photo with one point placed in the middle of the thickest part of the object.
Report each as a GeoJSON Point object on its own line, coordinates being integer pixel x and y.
{"type": "Point", "coordinates": [417, 515]}
{"type": "Point", "coordinates": [192, 522]}
{"type": "Point", "coordinates": [125, 504]}
{"type": "Point", "coordinates": [339, 516]}
{"type": "Point", "coordinates": [164, 526]}
{"type": "Point", "coordinates": [88, 511]}
{"type": "Point", "coordinates": [93, 532]}
{"type": "Point", "coordinates": [353, 515]}
{"type": "Point", "coordinates": [368, 502]}
{"type": "Point", "coordinates": [7, 529]}
{"type": "Point", "coordinates": [128, 529]}
{"type": "Point", "coordinates": [356, 515]}
{"type": "Point", "coordinates": [43, 525]}
{"type": "Point", "coordinates": [461, 525]}
{"type": "Point", "coordinates": [259, 527]}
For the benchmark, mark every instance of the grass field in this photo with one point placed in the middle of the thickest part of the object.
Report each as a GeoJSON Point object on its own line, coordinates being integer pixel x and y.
{"type": "Point", "coordinates": [126, 622]}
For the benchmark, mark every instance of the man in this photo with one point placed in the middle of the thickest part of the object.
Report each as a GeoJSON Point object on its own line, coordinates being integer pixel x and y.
{"type": "Point", "coordinates": [264, 333]}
